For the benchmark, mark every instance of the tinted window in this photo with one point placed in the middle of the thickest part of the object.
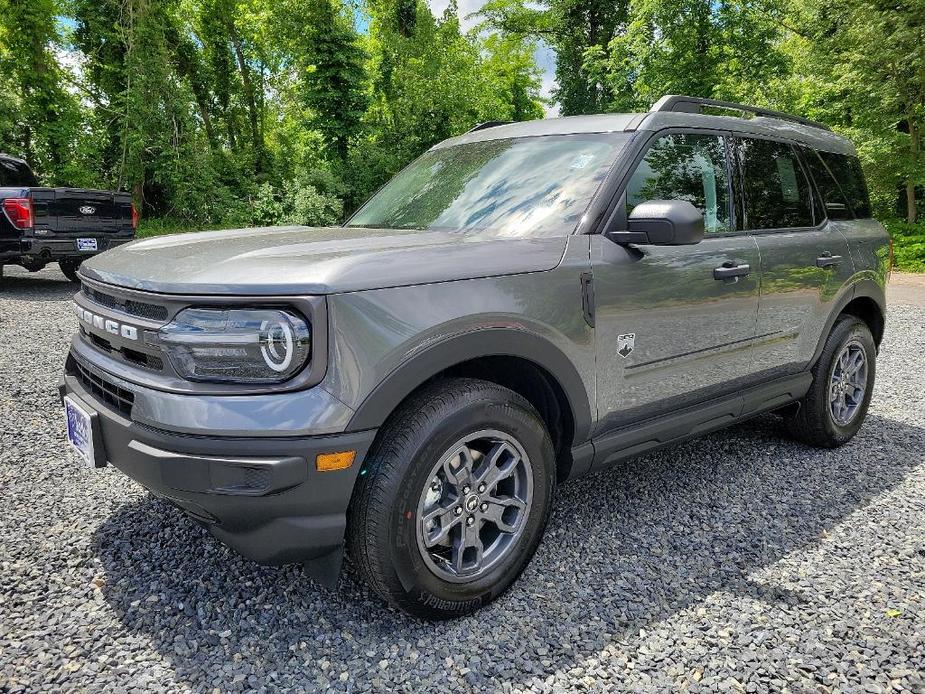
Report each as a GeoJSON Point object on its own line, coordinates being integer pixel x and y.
{"type": "Point", "coordinates": [847, 171]}
{"type": "Point", "coordinates": [685, 167]}
{"type": "Point", "coordinates": [530, 186]}
{"type": "Point", "coordinates": [14, 173]}
{"type": "Point", "coordinates": [836, 206]}
{"type": "Point", "coordinates": [777, 193]}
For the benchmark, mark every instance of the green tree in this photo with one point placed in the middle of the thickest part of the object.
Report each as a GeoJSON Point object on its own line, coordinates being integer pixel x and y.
{"type": "Point", "coordinates": [509, 63]}
{"type": "Point", "coordinates": [333, 76]}
{"type": "Point", "coordinates": [860, 66]}
{"type": "Point", "coordinates": [712, 48]}
{"type": "Point", "coordinates": [44, 118]}
{"type": "Point", "coordinates": [572, 28]}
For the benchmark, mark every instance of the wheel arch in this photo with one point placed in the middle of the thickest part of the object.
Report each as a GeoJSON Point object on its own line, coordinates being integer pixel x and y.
{"type": "Point", "coordinates": [866, 300]}
{"type": "Point", "coordinates": [524, 362]}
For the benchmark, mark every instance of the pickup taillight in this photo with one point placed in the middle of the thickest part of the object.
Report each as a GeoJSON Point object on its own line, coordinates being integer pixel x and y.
{"type": "Point", "coordinates": [19, 212]}
{"type": "Point", "coordinates": [134, 217]}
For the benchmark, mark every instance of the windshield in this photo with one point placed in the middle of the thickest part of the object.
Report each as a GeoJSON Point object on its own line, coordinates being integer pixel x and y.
{"type": "Point", "coordinates": [521, 187]}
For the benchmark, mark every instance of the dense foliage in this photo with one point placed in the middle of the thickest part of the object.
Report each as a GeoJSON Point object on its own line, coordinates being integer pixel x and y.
{"type": "Point", "coordinates": [232, 112]}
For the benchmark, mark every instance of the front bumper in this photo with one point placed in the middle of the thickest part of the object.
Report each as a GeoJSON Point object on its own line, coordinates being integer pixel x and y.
{"type": "Point", "coordinates": [262, 496]}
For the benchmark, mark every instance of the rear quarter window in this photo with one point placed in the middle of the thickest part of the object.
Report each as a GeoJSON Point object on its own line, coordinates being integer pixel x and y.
{"type": "Point", "coordinates": [847, 171]}
{"type": "Point", "coordinates": [833, 199]}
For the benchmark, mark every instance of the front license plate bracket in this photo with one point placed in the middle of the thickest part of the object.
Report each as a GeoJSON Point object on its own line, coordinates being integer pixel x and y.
{"type": "Point", "coordinates": [82, 425]}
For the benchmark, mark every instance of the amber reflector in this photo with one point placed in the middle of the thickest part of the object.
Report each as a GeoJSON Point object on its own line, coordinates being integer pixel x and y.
{"type": "Point", "coordinates": [334, 461]}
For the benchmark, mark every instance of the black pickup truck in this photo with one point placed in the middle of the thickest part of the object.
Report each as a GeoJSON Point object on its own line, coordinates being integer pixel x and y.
{"type": "Point", "coordinates": [64, 225]}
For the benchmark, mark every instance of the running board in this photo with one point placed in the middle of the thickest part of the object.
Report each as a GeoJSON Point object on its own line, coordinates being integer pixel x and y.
{"type": "Point", "coordinates": [626, 442]}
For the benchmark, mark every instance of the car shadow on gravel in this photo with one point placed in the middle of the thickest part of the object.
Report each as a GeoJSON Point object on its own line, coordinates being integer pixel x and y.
{"type": "Point", "coordinates": [624, 549]}
{"type": "Point", "coordinates": [41, 286]}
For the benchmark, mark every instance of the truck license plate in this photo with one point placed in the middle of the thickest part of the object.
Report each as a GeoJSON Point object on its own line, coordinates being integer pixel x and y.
{"type": "Point", "coordinates": [80, 432]}
{"type": "Point", "coordinates": [86, 245]}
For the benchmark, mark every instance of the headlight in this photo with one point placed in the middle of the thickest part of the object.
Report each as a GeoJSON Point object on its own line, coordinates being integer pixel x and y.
{"type": "Point", "coordinates": [236, 345]}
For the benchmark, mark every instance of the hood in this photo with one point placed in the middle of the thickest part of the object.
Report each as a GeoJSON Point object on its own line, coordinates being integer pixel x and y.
{"type": "Point", "coordinates": [306, 260]}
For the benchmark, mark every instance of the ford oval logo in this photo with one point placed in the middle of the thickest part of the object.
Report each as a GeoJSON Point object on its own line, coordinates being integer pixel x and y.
{"type": "Point", "coordinates": [87, 209]}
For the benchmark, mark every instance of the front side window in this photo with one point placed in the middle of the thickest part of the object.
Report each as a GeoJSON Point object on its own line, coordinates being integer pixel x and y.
{"type": "Point", "coordinates": [776, 191]}
{"type": "Point", "coordinates": [517, 187]}
{"type": "Point", "coordinates": [685, 167]}
{"type": "Point", "coordinates": [847, 171]}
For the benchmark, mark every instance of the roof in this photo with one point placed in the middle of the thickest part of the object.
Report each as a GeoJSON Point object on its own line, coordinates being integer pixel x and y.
{"type": "Point", "coordinates": [802, 133]}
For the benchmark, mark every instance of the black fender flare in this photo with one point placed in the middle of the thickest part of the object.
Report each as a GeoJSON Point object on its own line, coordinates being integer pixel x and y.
{"type": "Point", "coordinates": [427, 363]}
{"type": "Point", "coordinates": [863, 288]}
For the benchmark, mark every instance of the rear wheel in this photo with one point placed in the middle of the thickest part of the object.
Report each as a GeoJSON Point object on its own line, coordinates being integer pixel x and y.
{"type": "Point", "coordinates": [453, 499]}
{"type": "Point", "coordinates": [69, 267]}
{"type": "Point", "coordinates": [834, 408]}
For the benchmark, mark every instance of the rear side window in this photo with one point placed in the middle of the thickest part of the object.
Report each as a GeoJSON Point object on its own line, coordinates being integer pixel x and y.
{"type": "Point", "coordinates": [14, 173]}
{"type": "Point", "coordinates": [847, 171]}
{"type": "Point", "coordinates": [685, 167]}
{"type": "Point", "coordinates": [836, 205]}
{"type": "Point", "coordinates": [776, 190]}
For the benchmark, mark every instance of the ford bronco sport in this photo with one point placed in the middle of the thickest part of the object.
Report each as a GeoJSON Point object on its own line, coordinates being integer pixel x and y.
{"type": "Point", "coordinates": [523, 304]}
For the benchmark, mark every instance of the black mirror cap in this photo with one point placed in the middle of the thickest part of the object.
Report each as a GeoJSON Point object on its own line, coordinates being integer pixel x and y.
{"type": "Point", "coordinates": [662, 223]}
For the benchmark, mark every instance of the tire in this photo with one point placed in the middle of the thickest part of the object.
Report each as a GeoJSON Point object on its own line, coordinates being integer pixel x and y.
{"type": "Point", "coordinates": [398, 486]}
{"type": "Point", "coordinates": [815, 422]}
{"type": "Point", "coordinates": [69, 267]}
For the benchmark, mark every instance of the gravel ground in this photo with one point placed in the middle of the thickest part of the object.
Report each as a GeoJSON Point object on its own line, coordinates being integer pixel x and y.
{"type": "Point", "coordinates": [739, 561]}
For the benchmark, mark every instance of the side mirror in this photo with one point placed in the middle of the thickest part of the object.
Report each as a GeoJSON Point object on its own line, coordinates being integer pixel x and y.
{"type": "Point", "coordinates": [662, 223]}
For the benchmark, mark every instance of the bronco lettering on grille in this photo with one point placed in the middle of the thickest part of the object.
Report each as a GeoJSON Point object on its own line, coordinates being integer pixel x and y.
{"type": "Point", "coordinates": [129, 332]}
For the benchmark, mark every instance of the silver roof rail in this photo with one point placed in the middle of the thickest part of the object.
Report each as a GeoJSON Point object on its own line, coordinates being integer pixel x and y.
{"type": "Point", "coordinates": [488, 124]}
{"type": "Point", "coordinates": [695, 104]}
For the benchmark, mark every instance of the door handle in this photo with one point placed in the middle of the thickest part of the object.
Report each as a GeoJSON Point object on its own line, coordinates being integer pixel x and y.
{"type": "Point", "coordinates": [827, 259]}
{"type": "Point", "coordinates": [729, 271]}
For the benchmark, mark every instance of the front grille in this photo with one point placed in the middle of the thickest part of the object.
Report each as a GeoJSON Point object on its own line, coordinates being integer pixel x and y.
{"type": "Point", "coordinates": [132, 356]}
{"type": "Point", "coordinates": [140, 309]}
{"type": "Point", "coordinates": [118, 398]}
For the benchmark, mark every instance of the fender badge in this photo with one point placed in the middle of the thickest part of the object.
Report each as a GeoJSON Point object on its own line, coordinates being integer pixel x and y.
{"type": "Point", "coordinates": [626, 344]}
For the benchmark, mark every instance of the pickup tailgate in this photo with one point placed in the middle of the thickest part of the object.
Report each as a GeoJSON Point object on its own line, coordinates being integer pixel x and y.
{"type": "Point", "coordinates": [78, 210]}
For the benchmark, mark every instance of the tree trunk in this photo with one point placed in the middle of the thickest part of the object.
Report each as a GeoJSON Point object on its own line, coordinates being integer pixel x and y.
{"type": "Point", "coordinates": [915, 136]}
{"type": "Point", "coordinates": [249, 93]}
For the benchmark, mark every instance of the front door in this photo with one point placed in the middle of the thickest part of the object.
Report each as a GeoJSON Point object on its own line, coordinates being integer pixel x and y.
{"type": "Point", "coordinates": [671, 330]}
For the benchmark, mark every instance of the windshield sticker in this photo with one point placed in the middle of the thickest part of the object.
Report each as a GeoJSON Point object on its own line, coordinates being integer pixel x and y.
{"type": "Point", "coordinates": [581, 161]}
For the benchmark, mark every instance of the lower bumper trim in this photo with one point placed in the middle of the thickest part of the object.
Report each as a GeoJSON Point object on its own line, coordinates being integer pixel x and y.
{"type": "Point", "coordinates": [262, 497]}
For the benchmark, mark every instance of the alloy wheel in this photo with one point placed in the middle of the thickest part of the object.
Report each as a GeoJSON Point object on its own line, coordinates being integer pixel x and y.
{"type": "Point", "coordinates": [475, 505]}
{"type": "Point", "coordinates": [848, 383]}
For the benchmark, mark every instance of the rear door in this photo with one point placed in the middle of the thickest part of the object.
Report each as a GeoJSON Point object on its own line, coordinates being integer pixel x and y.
{"type": "Point", "coordinates": [804, 256]}
{"type": "Point", "coordinates": [668, 332]}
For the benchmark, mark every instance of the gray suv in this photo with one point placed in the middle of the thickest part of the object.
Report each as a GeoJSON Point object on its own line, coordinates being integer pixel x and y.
{"type": "Point", "coordinates": [523, 304]}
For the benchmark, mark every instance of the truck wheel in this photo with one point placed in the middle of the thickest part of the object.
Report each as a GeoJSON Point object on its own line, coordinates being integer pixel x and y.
{"type": "Point", "coordinates": [453, 499]}
{"type": "Point", "coordinates": [69, 267]}
{"type": "Point", "coordinates": [833, 410]}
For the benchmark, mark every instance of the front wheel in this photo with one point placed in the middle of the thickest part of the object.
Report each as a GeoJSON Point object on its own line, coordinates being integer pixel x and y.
{"type": "Point", "coordinates": [834, 408]}
{"type": "Point", "coordinates": [453, 499]}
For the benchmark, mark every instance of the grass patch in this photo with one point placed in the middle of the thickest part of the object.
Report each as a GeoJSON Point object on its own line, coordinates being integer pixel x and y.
{"type": "Point", "coordinates": [908, 245]}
